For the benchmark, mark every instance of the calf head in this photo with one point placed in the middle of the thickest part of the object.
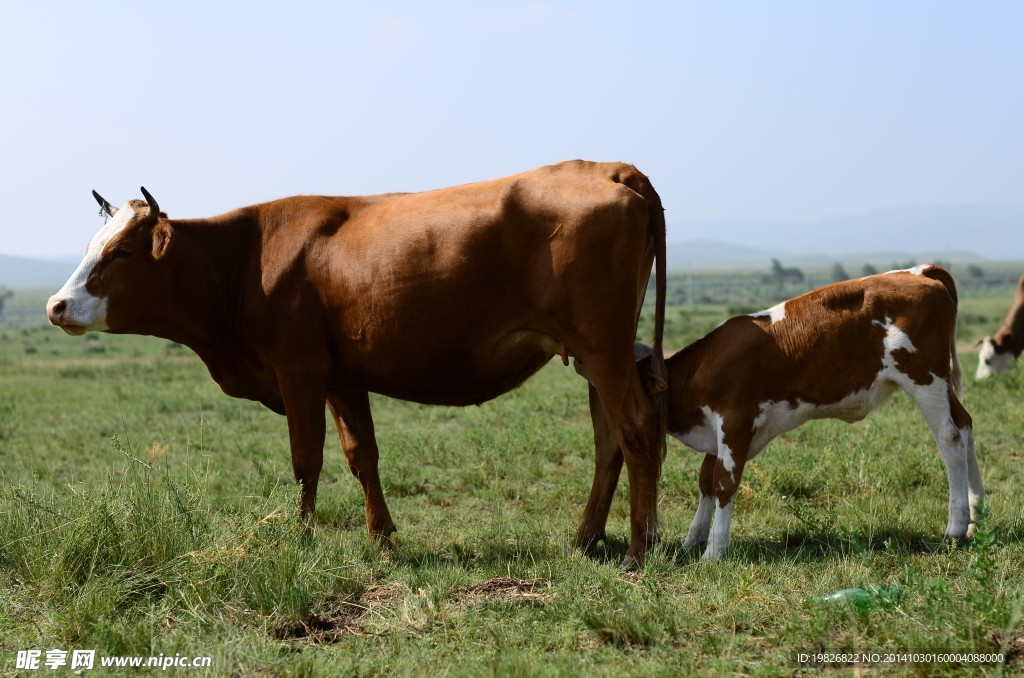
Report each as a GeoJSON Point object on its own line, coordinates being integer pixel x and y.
{"type": "Point", "coordinates": [653, 384]}
{"type": "Point", "coordinates": [992, 358]}
{"type": "Point", "coordinates": [120, 272]}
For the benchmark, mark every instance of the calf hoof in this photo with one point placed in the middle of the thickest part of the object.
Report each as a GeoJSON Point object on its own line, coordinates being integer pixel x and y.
{"type": "Point", "coordinates": [959, 542]}
{"type": "Point", "coordinates": [957, 534]}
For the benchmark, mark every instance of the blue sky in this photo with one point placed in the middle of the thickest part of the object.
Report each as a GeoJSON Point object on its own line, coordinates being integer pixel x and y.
{"type": "Point", "coordinates": [787, 111]}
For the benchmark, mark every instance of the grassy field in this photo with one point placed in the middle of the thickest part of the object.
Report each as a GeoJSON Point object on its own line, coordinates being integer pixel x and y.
{"type": "Point", "coordinates": [144, 512]}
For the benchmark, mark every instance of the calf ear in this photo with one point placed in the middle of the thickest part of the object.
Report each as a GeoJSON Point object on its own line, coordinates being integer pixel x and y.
{"type": "Point", "coordinates": [653, 384]}
{"type": "Point", "coordinates": [161, 239]}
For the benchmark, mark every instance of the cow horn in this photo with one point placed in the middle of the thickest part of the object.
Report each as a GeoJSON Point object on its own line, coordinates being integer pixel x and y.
{"type": "Point", "coordinates": [106, 206]}
{"type": "Point", "coordinates": [154, 209]}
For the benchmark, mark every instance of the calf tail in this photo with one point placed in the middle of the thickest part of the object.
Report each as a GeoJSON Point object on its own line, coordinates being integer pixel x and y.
{"type": "Point", "coordinates": [956, 371]}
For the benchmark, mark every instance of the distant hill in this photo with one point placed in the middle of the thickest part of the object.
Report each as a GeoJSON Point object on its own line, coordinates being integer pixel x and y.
{"type": "Point", "coordinates": [940, 232]}
{"type": "Point", "coordinates": [21, 272]}
{"type": "Point", "coordinates": [709, 255]}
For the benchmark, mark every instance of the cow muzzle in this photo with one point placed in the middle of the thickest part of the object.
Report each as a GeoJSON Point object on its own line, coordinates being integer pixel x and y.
{"type": "Point", "coordinates": [60, 314]}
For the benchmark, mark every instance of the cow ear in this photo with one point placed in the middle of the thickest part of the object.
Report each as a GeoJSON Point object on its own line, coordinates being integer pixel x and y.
{"type": "Point", "coordinates": [653, 384]}
{"type": "Point", "coordinates": [162, 233]}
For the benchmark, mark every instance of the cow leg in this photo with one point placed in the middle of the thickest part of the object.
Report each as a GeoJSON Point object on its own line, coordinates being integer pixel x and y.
{"type": "Point", "coordinates": [304, 408]}
{"type": "Point", "coordinates": [608, 465]}
{"type": "Point", "coordinates": [951, 428]}
{"type": "Point", "coordinates": [635, 423]}
{"type": "Point", "coordinates": [701, 525]}
{"type": "Point", "coordinates": [733, 448]}
{"type": "Point", "coordinates": [607, 451]}
{"type": "Point", "coordinates": [354, 420]}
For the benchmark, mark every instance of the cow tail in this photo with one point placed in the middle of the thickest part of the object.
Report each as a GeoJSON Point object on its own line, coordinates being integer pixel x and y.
{"type": "Point", "coordinates": [659, 400]}
{"type": "Point", "coordinates": [956, 369]}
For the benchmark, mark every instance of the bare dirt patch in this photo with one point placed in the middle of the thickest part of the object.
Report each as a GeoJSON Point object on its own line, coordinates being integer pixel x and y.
{"type": "Point", "coordinates": [1014, 645]}
{"type": "Point", "coordinates": [335, 617]}
{"type": "Point", "coordinates": [505, 587]}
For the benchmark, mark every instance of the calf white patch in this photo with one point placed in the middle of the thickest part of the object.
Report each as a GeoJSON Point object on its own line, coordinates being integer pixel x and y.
{"type": "Point", "coordinates": [719, 533]}
{"type": "Point", "coordinates": [701, 524]}
{"type": "Point", "coordinates": [776, 313]}
{"type": "Point", "coordinates": [702, 438]}
{"type": "Point", "coordinates": [724, 452]}
{"type": "Point", "coordinates": [916, 270]}
{"type": "Point", "coordinates": [895, 339]}
{"type": "Point", "coordinates": [85, 311]}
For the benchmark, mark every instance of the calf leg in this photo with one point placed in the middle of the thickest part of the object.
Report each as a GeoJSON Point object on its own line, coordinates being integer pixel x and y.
{"type": "Point", "coordinates": [701, 525]}
{"type": "Point", "coordinates": [608, 465]}
{"type": "Point", "coordinates": [975, 486]}
{"type": "Point", "coordinates": [733, 447]}
{"type": "Point", "coordinates": [951, 427]}
{"type": "Point", "coordinates": [304, 397]}
{"type": "Point", "coordinates": [354, 420]}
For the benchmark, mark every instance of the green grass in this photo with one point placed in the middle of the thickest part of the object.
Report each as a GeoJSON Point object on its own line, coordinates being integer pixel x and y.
{"type": "Point", "coordinates": [144, 512]}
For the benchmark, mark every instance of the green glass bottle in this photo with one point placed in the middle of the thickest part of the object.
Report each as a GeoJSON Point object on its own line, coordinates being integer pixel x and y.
{"type": "Point", "coordinates": [862, 600]}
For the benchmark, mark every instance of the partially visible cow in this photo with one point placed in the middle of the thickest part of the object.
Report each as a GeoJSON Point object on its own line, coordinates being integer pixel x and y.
{"type": "Point", "coordinates": [838, 352]}
{"type": "Point", "coordinates": [448, 297]}
{"type": "Point", "coordinates": [997, 352]}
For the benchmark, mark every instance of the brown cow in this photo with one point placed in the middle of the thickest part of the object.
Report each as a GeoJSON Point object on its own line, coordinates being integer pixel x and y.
{"type": "Point", "coordinates": [836, 353]}
{"type": "Point", "coordinates": [448, 297]}
{"type": "Point", "coordinates": [997, 353]}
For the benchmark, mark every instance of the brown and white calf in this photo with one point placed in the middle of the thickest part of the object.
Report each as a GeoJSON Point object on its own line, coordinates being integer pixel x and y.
{"type": "Point", "coordinates": [838, 352]}
{"type": "Point", "coordinates": [997, 352]}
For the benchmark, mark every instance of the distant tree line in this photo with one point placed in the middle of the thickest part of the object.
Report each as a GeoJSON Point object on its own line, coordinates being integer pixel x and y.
{"type": "Point", "coordinates": [780, 274]}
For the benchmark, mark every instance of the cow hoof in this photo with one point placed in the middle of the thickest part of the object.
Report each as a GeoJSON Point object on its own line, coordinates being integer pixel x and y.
{"type": "Point", "coordinates": [629, 563]}
{"type": "Point", "coordinates": [384, 534]}
{"type": "Point", "coordinates": [587, 544]}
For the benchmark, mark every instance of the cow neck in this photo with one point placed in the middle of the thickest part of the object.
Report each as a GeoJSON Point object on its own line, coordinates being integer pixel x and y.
{"type": "Point", "coordinates": [1010, 336]}
{"type": "Point", "coordinates": [213, 261]}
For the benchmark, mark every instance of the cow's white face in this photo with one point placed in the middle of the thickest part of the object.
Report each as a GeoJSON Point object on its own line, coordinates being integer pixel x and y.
{"type": "Point", "coordinates": [990, 360]}
{"type": "Point", "coordinates": [82, 311]}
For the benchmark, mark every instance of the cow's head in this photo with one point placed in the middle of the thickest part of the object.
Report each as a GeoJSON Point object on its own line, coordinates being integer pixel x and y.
{"type": "Point", "coordinates": [992, 358]}
{"type": "Point", "coordinates": [117, 261]}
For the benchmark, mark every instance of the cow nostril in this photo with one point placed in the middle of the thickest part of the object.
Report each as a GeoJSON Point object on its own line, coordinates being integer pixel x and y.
{"type": "Point", "coordinates": [58, 308]}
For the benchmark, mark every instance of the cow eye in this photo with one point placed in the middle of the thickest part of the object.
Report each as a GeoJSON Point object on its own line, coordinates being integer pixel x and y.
{"type": "Point", "coordinates": [122, 253]}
